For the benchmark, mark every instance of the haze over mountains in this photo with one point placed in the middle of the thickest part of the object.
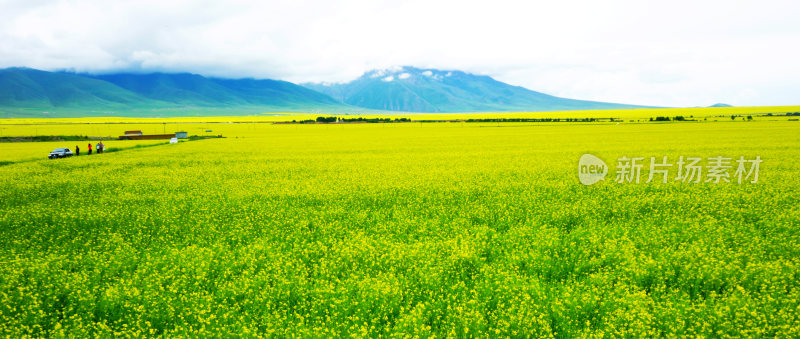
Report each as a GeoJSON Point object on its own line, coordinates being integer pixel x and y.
{"type": "Point", "coordinates": [30, 92]}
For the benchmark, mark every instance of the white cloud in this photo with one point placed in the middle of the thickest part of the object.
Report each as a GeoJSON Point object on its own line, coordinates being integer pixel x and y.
{"type": "Point", "coordinates": [427, 73]}
{"type": "Point", "coordinates": [404, 76]}
{"type": "Point", "coordinates": [677, 53]}
{"type": "Point", "coordinates": [389, 78]}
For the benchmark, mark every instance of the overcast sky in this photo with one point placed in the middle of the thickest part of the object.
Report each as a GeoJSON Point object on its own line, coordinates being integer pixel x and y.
{"type": "Point", "coordinates": [669, 53]}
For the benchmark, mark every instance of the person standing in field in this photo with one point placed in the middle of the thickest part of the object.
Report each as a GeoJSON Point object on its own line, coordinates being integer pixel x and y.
{"type": "Point", "coordinates": [101, 147]}
{"type": "Point", "coordinates": [90, 148]}
{"type": "Point", "coordinates": [98, 149]}
{"type": "Point", "coordinates": [77, 151]}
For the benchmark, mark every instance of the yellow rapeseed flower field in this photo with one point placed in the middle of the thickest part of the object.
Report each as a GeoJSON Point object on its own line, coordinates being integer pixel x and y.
{"type": "Point", "coordinates": [404, 229]}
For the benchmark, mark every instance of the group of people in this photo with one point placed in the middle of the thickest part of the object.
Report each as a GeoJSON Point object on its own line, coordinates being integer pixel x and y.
{"type": "Point", "coordinates": [99, 148]}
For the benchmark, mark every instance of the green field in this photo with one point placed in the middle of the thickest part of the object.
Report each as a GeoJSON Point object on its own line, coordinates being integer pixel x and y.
{"type": "Point", "coordinates": [436, 229]}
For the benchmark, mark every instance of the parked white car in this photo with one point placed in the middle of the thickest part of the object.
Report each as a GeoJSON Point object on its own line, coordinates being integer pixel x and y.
{"type": "Point", "coordinates": [60, 153]}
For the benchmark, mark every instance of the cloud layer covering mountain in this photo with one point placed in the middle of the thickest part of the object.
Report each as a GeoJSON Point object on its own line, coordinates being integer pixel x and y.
{"type": "Point", "coordinates": [676, 53]}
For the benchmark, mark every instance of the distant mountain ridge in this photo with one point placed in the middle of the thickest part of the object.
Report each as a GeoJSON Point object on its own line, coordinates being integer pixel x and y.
{"type": "Point", "coordinates": [24, 87]}
{"type": "Point", "coordinates": [413, 89]}
{"type": "Point", "coordinates": [30, 92]}
{"type": "Point", "coordinates": [185, 88]}
{"type": "Point", "coordinates": [35, 89]}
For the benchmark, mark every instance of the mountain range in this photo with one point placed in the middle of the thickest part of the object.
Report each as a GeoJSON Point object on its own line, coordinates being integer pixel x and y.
{"type": "Point", "coordinates": [413, 89]}
{"type": "Point", "coordinates": [26, 92]}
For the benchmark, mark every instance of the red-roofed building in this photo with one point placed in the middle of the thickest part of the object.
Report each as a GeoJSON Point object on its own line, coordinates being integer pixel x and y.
{"type": "Point", "coordinates": [133, 133]}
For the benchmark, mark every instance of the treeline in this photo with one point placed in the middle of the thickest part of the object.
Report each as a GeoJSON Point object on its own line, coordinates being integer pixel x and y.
{"type": "Point", "coordinates": [333, 119]}
{"type": "Point", "coordinates": [351, 120]}
{"type": "Point", "coordinates": [361, 119]}
{"type": "Point", "coordinates": [323, 119]}
{"type": "Point", "coordinates": [675, 118]}
{"type": "Point", "coordinates": [745, 116]}
{"type": "Point", "coordinates": [541, 120]}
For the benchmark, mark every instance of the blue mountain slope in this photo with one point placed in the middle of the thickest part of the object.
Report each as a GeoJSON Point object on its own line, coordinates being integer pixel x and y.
{"type": "Point", "coordinates": [30, 89]}
{"type": "Point", "coordinates": [429, 90]}
{"type": "Point", "coordinates": [194, 89]}
{"type": "Point", "coordinates": [25, 87]}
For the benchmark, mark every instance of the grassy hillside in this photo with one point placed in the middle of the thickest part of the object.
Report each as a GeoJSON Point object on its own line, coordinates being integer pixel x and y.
{"type": "Point", "coordinates": [29, 88]}
{"type": "Point", "coordinates": [33, 93]}
{"type": "Point", "coordinates": [197, 90]}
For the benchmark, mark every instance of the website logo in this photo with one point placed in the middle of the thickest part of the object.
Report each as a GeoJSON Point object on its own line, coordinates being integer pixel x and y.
{"type": "Point", "coordinates": [591, 169]}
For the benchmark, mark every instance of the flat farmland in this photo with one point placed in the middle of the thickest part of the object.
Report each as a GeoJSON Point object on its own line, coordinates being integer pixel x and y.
{"type": "Point", "coordinates": [412, 229]}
